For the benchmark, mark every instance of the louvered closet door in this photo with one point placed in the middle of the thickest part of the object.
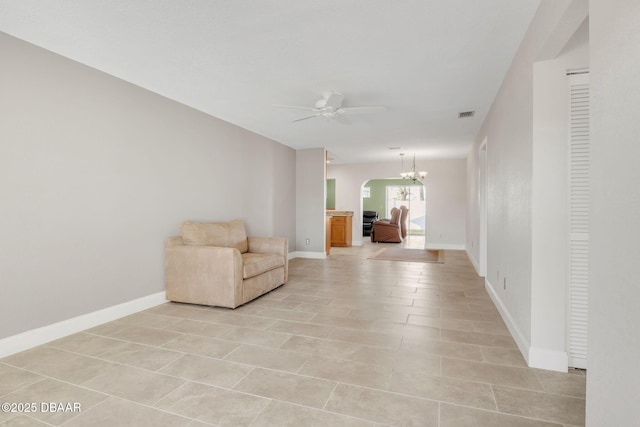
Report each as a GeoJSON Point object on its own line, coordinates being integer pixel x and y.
{"type": "Point", "coordinates": [578, 274]}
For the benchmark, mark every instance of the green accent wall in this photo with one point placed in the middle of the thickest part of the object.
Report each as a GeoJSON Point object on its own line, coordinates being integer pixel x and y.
{"type": "Point", "coordinates": [331, 193]}
{"type": "Point", "coordinates": [378, 197]}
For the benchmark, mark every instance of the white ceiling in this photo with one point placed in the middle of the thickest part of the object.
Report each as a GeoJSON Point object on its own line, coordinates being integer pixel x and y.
{"type": "Point", "coordinates": [425, 60]}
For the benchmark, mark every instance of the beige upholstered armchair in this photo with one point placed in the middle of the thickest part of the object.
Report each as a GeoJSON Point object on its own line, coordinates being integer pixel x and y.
{"type": "Point", "coordinates": [217, 264]}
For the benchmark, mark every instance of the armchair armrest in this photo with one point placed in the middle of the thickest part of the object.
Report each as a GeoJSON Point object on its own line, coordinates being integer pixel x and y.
{"type": "Point", "coordinates": [271, 245]}
{"type": "Point", "coordinates": [207, 275]}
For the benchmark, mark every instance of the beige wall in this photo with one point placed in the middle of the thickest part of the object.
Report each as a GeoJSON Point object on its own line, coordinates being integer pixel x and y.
{"type": "Point", "coordinates": [613, 383]}
{"type": "Point", "coordinates": [95, 173]}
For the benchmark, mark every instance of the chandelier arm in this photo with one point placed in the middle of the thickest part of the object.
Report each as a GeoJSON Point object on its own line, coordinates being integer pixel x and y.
{"type": "Point", "coordinates": [413, 175]}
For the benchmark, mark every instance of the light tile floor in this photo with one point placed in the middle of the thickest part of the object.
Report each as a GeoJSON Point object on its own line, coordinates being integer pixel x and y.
{"type": "Point", "coordinates": [348, 341]}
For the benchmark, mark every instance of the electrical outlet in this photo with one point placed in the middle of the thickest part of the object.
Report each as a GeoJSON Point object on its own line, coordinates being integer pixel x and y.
{"type": "Point", "coordinates": [308, 241]}
{"type": "Point", "coordinates": [504, 283]}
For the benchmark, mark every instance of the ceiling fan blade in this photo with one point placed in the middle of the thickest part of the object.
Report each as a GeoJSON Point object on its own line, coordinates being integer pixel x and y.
{"type": "Point", "coordinates": [360, 110]}
{"type": "Point", "coordinates": [295, 106]}
{"type": "Point", "coordinates": [341, 119]}
{"type": "Point", "coordinates": [334, 100]}
{"type": "Point", "coordinates": [305, 118]}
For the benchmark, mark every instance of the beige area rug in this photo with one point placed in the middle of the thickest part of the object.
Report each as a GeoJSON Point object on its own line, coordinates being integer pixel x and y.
{"type": "Point", "coordinates": [410, 255]}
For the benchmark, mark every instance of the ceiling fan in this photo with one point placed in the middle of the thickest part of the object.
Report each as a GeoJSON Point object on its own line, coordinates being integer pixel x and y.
{"type": "Point", "coordinates": [330, 107]}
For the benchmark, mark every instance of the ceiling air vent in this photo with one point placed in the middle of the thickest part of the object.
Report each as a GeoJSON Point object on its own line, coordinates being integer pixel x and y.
{"type": "Point", "coordinates": [466, 114]}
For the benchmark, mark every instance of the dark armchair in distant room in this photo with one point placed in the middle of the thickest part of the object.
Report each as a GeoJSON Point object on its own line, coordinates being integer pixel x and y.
{"type": "Point", "coordinates": [368, 218]}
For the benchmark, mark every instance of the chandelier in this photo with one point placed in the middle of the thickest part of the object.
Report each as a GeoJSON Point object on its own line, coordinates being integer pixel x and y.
{"type": "Point", "coordinates": [412, 174]}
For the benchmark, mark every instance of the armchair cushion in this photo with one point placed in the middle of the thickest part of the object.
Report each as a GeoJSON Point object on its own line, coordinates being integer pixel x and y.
{"type": "Point", "coordinates": [222, 234]}
{"type": "Point", "coordinates": [255, 264]}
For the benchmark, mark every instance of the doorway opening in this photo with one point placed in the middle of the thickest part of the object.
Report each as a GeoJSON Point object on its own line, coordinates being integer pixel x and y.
{"type": "Point", "coordinates": [381, 195]}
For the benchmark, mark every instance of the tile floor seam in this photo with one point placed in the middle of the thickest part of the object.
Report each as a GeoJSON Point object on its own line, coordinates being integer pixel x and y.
{"type": "Point", "coordinates": [523, 368]}
{"type": "Point", "coordinates": [218, 338]}
{"type": "Point", "coordinates": [196, 381]}
{"type": "Point", "coordinates": [259, 413]}
{"type": "Point", "coordinates": [26, 385]}
{"type": "Point", "coordinates": [506, 413]}
{"type": "Point", "coordinates": [395, 393]}
{"type": "Point", "coordinates": [322, 410]}
{"type": "Point", "coordinates": [22, 388]}
{"type": "Point", "coordinates": [84, 387]}
{"type": "Point", "coordinates": [42, 421]}
{"type": "Point", "coordinates": [246, 393]}
{"type": "Point", "coordinates": [135, 403]}
{"type": "Point", "coordinates": [158, 370]}
{"type": "Point", "coordinates": [330, 396]}
{"type": "Point", "coordinates": [297, 372]}
{"type": "Point", "coordinates": [107, 395]}
{"type": "Point", "coordinates": [147, 313]}
{"type": "Point", "coordinates": [540, 392]}
{"type": "Point", "coordinates": [70, 352]}
{"type": "Point", "coordinates": [129, 341]}
{"type": "Point", "coordinates": [47, 377]}
{"type": "Point", "coordinates": [184, 353]}
{"type": "Point", "coordinates": [98, 355]}
{"type": "Point", "coordinates": [244, 376]}
{"type": "Point", "coordinates": [232, 388]}
{"type": "Point", "coordinates": [493, 396]}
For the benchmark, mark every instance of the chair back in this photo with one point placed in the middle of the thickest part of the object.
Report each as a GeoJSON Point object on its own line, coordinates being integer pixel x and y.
{"type": "Point", "coordinates": [226, 234]}
{"type": "Point", "coordinates": [395, 216]}
{"type": "Point", "coordinates": [369, 216]}
{"type": "Point", "coordinates": [404, 214]}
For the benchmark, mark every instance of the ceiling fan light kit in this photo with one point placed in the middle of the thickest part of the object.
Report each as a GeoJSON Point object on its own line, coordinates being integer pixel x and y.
{"type": "Point", "coordinates": [330, 107]}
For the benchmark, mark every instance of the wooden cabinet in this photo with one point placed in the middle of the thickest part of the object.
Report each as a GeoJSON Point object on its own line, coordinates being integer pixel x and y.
{"type": "Point", "coordinates": [327, 242]}
{"type": "Point", "coordinates": [341, 231]}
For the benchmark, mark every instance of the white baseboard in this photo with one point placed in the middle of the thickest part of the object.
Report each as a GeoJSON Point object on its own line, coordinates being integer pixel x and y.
{"type": "Point", "coordinates": [536, 357]}
{"type": "Point", "coordinates": [550, 360]}
{"type": "Point", "coordinates": [474, 262]}
{"type": "Point", "coordinates": [307, 254]}
{"type": "Point", "coordinates": [357, 242]}
{"type": "Point", "coordinates": [35, 337]}
{"type": "Point", "coordinates": [444, 246]}
{"type": "Point", "coordinates": [516, 333]}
